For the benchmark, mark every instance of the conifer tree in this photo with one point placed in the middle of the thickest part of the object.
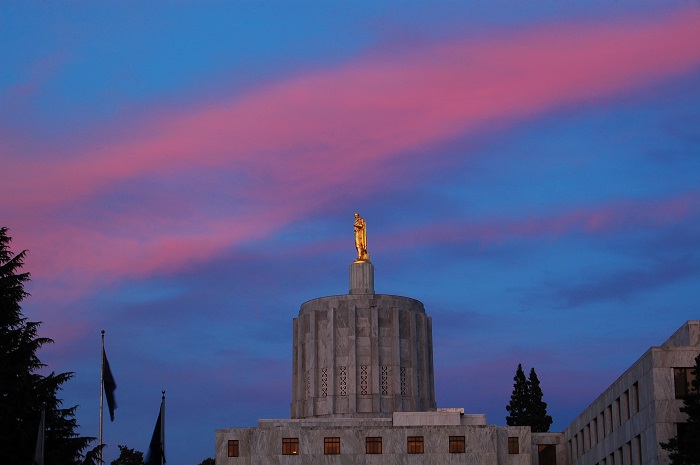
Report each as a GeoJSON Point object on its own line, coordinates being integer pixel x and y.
{"type": "Point", "coordinates": [23, 391]}
{"type": "Point", "coordinates": [519, 400]}
{"type": "Point", "coordinates": [685, 447]}
{"type": "Point", "coordinates": [538, 420]}
{"type": "Point", "coordinates": [526, 407]}
{"type": "Point", "coordinates": [128, 456]}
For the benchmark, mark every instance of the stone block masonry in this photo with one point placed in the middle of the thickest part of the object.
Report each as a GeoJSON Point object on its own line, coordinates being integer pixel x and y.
{"type": "Point", "coordinates": [362, 355]}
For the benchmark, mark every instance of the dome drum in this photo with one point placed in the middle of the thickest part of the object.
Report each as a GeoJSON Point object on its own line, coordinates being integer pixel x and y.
{"type": "Point", "coordinates": [362, 355]}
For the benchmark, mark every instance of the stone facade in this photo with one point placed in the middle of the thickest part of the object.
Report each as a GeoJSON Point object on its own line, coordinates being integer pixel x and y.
{"type": "Point", "coordinates": [638, 411]}
{"type": "Point", "coordinates": [425, 438]}
{"type": "Point", "coordinates": [362, 354]}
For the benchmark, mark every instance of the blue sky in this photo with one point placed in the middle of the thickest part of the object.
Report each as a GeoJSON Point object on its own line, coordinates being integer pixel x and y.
{"type": "Point", "coordinates": [185, 175]}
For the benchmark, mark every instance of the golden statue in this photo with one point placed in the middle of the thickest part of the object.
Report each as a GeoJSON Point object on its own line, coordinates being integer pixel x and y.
{"type": "Point", "coordinates": [361, 238]}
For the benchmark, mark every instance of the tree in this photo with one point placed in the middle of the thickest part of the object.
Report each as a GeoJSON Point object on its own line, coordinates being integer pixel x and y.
{"type": "Point", "coordinates": [538, 419]}
{"type": "Point", "coordinates": [684, 449]}
{"type": "Point", "coordinates": [128, 457]}
{"type": "Point", "coordinates": [526, 406]}
{"type": "Point", "coordinates": [519, 400]}
{"type": "Point", "coordinates": [23, 391]}
{"type": "Point", "coordinates": [93, 456]}
{"type": "Point", "coordinates": [209, 461]}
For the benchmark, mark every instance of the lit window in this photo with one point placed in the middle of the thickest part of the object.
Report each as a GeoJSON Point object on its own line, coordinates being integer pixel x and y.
{"type": "Point", "coordinates": [513, 446]}
{"type": "Point", "coordinates": [290, 446]}
{"type": "Point", "coordinates": [331, 446]}
{"type": "Point", "coordinates": [457, 445]}
{"type": "Point", "coordinates": [233, 448]}
{"type": "Point", "coordinates": [373, 445]}
{"type": "Point", "coordinates": [415, 444]}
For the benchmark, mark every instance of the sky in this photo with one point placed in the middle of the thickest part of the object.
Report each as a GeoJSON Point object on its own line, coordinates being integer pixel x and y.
{"type": "Point", "coordinates": [185, 174]}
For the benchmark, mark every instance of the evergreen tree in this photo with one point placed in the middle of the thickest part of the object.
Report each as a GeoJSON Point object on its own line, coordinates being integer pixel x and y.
{"type": "Point", "coordinates": [23, 391]}
{"type": "Point", "coordinates": [526, 407]}
{"type": "Point", "coordinates": [93, 456]}
{"type": "Point", "coordinates": [128, 457]}
{"type": "Point", "coordinates": [519, 400]}
{"type": "Point", "coordinates": [538, 419]}
{"type": "Point", "coordinates": [684, 449]}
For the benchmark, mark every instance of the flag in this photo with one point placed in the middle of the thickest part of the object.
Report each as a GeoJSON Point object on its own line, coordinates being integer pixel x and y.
{"type": "Point", "coordinates": [109, 385]}
{"type": "Point", "coordinates": [39, 451]}
{"type": "Point", "coordinates": [156, 450]}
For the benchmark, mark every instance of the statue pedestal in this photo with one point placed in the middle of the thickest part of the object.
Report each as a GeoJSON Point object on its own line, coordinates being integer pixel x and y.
{"type": "Point", "coordinates": [362, 277]}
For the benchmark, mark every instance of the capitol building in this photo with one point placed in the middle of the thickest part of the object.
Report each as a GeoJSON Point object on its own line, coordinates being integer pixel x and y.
{"type": "Point", "coordinates": [363, 393]}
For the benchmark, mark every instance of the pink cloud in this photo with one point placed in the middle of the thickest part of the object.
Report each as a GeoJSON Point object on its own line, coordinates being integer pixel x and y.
{"type": "Point", "coordinates": [377, 107]}
{"type": "Point", "coordinates": [595, 220]}
{"type": "Point", "coordinates": [299, 140]}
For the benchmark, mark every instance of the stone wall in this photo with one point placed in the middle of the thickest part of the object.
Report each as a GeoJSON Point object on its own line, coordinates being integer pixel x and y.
{"type": "Point", "coordinates": [362, 355]}
{"type": "Point", "coordinates": [626, 423]}
{"type": "Point", "coordinates": [484, 445]}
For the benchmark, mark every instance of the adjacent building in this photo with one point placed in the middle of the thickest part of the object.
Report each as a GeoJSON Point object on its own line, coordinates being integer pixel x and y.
{"type": "Point", "coordinates": [626, 423]}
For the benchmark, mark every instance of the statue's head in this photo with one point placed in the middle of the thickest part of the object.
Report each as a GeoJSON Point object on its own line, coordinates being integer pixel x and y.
{"type": "Point", "coordinates": [357, 215]}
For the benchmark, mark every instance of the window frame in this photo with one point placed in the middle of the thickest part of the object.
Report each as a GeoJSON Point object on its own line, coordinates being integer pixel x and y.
{"type": "Point", "coordinates": [331, 445]}
{"type": "Point", "coordinates": [373, 445]}
{"type": "Point", "coordinates": [457, 445]}
{"type": "Point", "coordinates": [290, 446]}
{"type": "Point", "coordinates": [233, 448]}
{"type": "Point", "coordinates": [513, 445]}
{"type": "Point", "coordinates": [682, 391]}
{"type": "Point", "coordinates": [415, 445]}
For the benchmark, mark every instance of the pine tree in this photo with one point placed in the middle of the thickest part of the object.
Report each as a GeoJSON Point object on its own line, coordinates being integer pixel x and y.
{"type": "Point", "coordinates": [526, 407]}
{"type": "Point", "coordinates": [23, 391]}
{"type": "Point", "coordinates": [128, 457]}
{"type": "Point", "coordinates": [538, 419]}
{"type": "Point", "coordinates": [684, 449]}
{"type": "Point", "coordinates": [519, 400]}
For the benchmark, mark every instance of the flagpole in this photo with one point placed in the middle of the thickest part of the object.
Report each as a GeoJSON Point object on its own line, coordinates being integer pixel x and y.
{"type": "Point", "coordinates": [162, 429]}
{"type": "Point", "coordinates": [102, 371]}
{"type": "Point", "coordinates": [43, 432]}
{"type": "Point", "coordinates": [39, 451]}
